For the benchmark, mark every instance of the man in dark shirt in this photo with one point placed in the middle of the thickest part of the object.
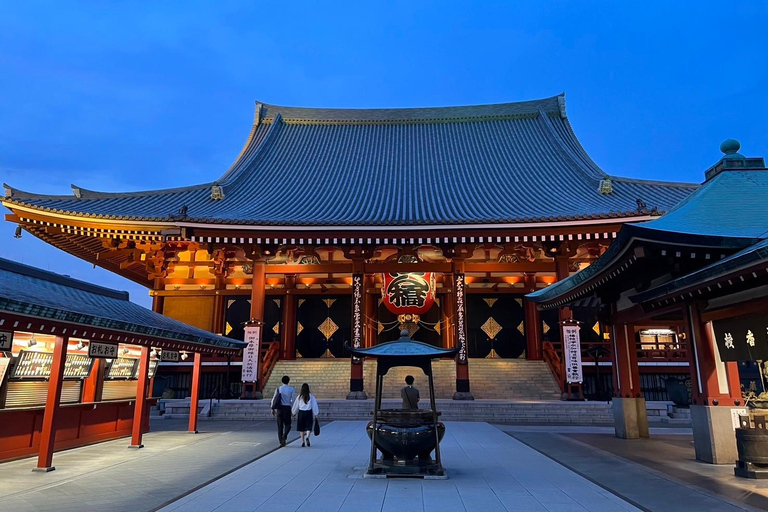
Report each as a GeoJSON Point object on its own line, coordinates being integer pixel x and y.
{"type": "Point", "coordinates": [282, 409]}
{"type": "Point", "coordinates": [410, 394]}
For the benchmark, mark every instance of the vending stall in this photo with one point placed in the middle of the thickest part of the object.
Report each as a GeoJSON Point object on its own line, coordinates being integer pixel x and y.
{"type": "Point", "coordinates": [77, 361]}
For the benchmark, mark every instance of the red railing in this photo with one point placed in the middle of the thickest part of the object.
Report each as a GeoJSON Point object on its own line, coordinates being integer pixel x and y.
{"type": "Point", "coordinates": [552, 358]}
{"type": "Point", "coordinates": [270, 353]}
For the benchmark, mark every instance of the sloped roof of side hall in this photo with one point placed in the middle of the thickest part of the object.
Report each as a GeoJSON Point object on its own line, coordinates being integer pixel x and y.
{"type": "Point", "coordinates": [36, 293]}
{"type": "Point", "coordinates": [727, 212]}
{"type": "Point", "coordinates": [487, 164]}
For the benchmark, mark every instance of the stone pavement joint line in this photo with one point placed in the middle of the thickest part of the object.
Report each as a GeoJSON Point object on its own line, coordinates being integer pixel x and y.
{"type": "Point", "coordinates": [489, 471]}
{"type": "Point", "coordinates": [107, 476]}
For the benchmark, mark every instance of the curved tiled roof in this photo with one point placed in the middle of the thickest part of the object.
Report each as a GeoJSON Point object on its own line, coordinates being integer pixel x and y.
{"type": "Point", "coordinates": [728, 211]}
{"type": "Point", "coordinates": [488, 164]}
{"type": "Point", "coordinates": [38, 293]}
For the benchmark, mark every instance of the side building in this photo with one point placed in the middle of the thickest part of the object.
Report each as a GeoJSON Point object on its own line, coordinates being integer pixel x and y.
{"type": "Point", "coordinates": [325, 207]}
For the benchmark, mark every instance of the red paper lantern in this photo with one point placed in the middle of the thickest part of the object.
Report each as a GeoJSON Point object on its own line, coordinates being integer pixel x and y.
{"type": "Point", "coordinates": [412, 293]}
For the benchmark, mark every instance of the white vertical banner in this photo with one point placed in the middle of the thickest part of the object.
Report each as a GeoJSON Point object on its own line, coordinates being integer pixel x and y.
{"type": "Point", "coordinates": [572, 352]}
{"type": "Point", "coordinates": [251, 353]}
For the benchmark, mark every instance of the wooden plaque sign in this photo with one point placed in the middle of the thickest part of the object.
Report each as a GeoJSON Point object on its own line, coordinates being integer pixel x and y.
{"type": "Point", "coordinates": [6, 341]}
{"type": "Point", "coordinates": [170, 356]}
{"type": "Point", "coordinates": [102, 350]}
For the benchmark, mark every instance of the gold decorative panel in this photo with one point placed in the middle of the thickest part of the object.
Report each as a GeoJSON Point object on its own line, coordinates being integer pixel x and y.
{"type": "Point", "coordinates": [411, 328]}
{"type": "Point", "coordinates": [491, 327]}
{"type": "Point", "coordinates": [299, 328]}
{"type": "Point", "coordinates": [490, 302]}
{"type": "Point", "coordinates": [519, 301]}
{"type": "Point", "coordinates": [301, 301]}
{"type": "Point", "coordinates": [437, 327]}
{"type": "Point", "coordinates": [596, 328]}
{"type": "Point", "coordinates": [328, 327]}
{"type": "Point", "coordinates": [521, 328]}
{"type": "Point", "coordinates": [277, 301]}
{"type": "Point", "coordinates": [381, 327]}
{"type": "Point", "coordinates": [227, 328]}
{"type": "Point", "coordinates": [276, 328]}
{"type": "Point", "coordinates": [329, 302]}
{"type": "Point", "coordinates": [545, 327]}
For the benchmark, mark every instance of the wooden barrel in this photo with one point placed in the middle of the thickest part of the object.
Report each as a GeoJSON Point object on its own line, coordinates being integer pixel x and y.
{"type": "Point", "coordinates": [752, 444]}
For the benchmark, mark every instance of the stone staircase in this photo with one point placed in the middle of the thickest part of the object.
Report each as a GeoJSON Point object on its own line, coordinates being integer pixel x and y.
{"type": "Point", "coordinates": [491, 379]}
{"type": "Point", "coordinates": [494, 411]}
{"type": "Point", "coordinates": [512, 379]}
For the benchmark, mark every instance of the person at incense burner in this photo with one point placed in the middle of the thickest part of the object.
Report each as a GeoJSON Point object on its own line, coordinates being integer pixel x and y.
{"type": "Point", "coordinates": [409, 394]}
{"type": "Point", "coordinates": [306, 408]}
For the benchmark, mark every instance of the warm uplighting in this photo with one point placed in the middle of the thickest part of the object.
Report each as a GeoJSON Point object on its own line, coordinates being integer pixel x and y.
{"type": "Point", "coordinates": [511, 279]}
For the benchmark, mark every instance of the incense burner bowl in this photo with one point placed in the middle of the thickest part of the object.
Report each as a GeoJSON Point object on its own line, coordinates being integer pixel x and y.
{"type": "Point", "coordinates": [404, 434]}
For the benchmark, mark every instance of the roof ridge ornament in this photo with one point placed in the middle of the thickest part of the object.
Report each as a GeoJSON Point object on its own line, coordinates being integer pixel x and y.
{"type": "Point", "coordinates": [217, 192]}
{"type": "Point", "coordinates": [606, 186]}
{"type": "Point", "coordinates": [561, 105]}
{"type": "Point", "coordinates": [731, 149]}
{"type": "Point", "coordinates": [257, 114]}
{"type": "Point", "coordinates": [76, 191]}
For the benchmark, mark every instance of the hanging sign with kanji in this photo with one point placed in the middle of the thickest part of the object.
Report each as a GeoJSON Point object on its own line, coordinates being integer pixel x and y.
{"type": "Point", "coordinates": [461, 317]}
{"type": "Point", "coordinates": [170, 356]}
{"type": "Point", "coordinates": [102, 350]}
{"type": "Point", "coordinates": [251, 353]}
{"type": "Point", "coordinates": [6, 341]}
{"type": "Point", "coordinates": [412, 293]}
{"type": "Point", "coordinates": [572, 349]}
{"type": "Point", "coordinates": [743, 338]}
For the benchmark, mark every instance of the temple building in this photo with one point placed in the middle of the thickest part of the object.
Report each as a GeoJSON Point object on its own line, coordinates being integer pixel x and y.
{"type": "Point", "coordinates": [699, 277]}
{"type": "Point", "coordinates": [455, 213]}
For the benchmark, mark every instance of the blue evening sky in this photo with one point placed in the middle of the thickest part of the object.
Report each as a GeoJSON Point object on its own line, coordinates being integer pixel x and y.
{"type": "Point", "coordinates": [118, 96]}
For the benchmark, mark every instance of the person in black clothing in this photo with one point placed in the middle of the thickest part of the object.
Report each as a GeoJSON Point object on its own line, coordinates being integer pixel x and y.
{"type": "Point", "coordinates": [282, 409]}
{"type": "Point", "coordinates": [410, 394]}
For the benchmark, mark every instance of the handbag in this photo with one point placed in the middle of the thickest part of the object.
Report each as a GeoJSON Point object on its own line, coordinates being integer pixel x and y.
{"type": "Point", "coordinates": [277, 400]}
{"type": "Point", "coordinates": [316, 430]}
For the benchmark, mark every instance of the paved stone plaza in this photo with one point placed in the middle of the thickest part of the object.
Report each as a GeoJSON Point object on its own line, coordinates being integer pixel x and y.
{"type": "Point", "coordinates": [504, 468]}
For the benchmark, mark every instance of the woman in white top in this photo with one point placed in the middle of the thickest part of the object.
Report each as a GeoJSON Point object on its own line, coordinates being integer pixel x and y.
{"type": "Point", "coordinates": [306, 407]}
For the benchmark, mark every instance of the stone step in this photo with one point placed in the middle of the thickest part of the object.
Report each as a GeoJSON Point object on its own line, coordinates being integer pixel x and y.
{"type": "Point", "coordinates": [490, 378]}
{"type": "Point", "coordinates": [533, 412]}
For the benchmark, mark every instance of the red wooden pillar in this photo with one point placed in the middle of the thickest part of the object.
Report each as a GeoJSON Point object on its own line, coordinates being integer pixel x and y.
{"type": "Point", "coordinates": [711, 385]}
{"type": "Point", "coordinates": [561, 272]}
{"type": "Point", "coordinates": [370, 306]}
{"type": "Point", "coordinates": [218, 319]}
{"type": "Point", "coordinates": [716, 394]}
{"type": "Point", "coordinates": [92, 386]}
{"type": "Point", "coordinates": [626, 374]}
{"type": "Point", "coordinates": [48, 435]}
{"type": "Point", "coordinates": [447, 307]}
{"type": "Point", "coordinates": [629, 413]}
{"type": "Point", "coordinates": [533, 348]}
{"type": "Point", "coordinates": [139, 410]}
{"type": "Point", "coordinates": [463, 391]}
{"type": "Point", "coordinates": [288, 334]}
{"type": "Point", "coordinates": [195, 395]}
{"type": "Point", "coordinates": [258, 298]}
